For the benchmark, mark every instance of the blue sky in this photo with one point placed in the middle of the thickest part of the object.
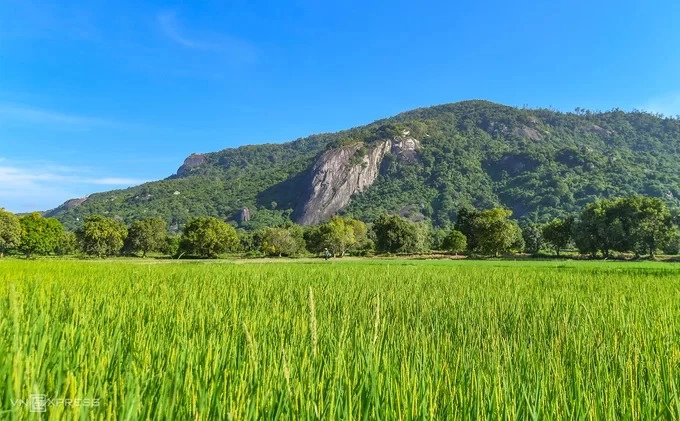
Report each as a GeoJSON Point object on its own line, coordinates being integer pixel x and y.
{"type": "Point", "coordinates": [97, 95]}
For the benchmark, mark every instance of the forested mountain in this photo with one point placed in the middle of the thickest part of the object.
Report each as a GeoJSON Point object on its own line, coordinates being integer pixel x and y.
{"type": "Point", "coordinates": [424, 163]}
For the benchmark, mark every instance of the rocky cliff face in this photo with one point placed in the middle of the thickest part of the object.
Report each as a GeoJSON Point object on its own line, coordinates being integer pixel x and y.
{"type": "Point", "coordinates": [340, 173]}
{"type": "Point", "coordinates": [194, 160]}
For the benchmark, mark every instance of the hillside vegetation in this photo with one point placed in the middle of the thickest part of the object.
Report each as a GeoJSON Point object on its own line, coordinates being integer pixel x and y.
{"type": "Point", "coordinates": [539, 163]}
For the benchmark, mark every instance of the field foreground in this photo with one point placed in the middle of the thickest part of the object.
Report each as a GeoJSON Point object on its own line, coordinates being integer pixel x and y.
{"type": "Point", "coordinates": [339, 340]}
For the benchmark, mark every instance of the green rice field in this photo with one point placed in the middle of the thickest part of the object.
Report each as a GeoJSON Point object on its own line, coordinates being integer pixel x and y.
{"type": "Point", "coordinates": [343, 339]}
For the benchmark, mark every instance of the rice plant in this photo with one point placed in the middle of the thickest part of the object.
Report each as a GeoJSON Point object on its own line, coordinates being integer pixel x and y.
{"type": "Point", "coordinates": [339, 340]}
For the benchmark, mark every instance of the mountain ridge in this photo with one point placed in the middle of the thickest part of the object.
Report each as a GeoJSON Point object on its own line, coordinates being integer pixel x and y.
{"type": "Point", "coordinates": [540, 163]}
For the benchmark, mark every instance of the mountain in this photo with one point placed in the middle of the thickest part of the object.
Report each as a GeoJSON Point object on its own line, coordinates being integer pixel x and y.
{"type": "Point", "coordinates": [424, 163]}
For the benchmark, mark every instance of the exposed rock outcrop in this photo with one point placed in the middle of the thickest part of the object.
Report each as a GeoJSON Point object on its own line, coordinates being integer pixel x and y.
{"type": "Point", "coordinates": [599, 130]}
{"type": "Point", "coordinates": [243, 215]}
{"type": "Point", "coordinates": [406, 148]}
{"type": "Point", "coordinates": [194, 160]}
{"type": "Point", "coordinates": [339, 173]}
{"type": "Point", "coordinates": [528, 132]}
{"type": "Point", "coordinates": [69, 204]}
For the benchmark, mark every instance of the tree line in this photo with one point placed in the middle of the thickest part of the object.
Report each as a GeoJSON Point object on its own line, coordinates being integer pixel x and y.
{"type": "Point", "coordinates": [636, 224]}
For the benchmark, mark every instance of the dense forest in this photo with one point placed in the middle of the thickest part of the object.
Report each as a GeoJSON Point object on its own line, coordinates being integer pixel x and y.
{"type": "Point", "coordinates": [633, 225]}
{"type": "Point", "coordinates": [540, 164]}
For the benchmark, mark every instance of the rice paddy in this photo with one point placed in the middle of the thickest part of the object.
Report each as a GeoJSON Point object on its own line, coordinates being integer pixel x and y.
{"type": "Point", "coordinates": [373, 339]}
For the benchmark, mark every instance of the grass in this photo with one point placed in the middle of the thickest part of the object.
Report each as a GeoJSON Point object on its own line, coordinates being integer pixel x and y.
{"type": "Point", "coordinates": [375, 339]}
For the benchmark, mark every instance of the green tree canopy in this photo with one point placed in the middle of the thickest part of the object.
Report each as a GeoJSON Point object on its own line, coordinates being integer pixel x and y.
{"type": "Point", "coordinates": [283, 241]}
{"type": "Point", "coordinates": [653, 224]}
{"type": "Point", "coordinates": [207, 237]}
{"type": "Point", "coordinates": [465, 223]}
{"type": "Point", "coordinates": [101, 236]}
{"type": "Point", "coordinates": [496, 233]}
{"type": "Point", "coordinates": [39, 236]}
{"type": "Point", "coordinates": [558, 233]}
{"type": "Point", "coordinates": [147, 235]}
{"type": "Point", "coordinates": [10, 231]}
{"type": "Point", "coordinates": [628, 224]}
{"type": "Point", "coordinates": [532, 234]}
{"type": "Point", "coordinates": [68, 244]}
{"type": "Point", "coordinates": [454, 242]}
{"type": "Point", "coordinates": [394, 234]}
{"type": "Point", "coordinates": [338, 235]}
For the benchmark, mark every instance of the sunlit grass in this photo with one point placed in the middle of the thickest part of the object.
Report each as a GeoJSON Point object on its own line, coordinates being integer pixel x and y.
{"type": "Point", "coordinates": [340, 340]}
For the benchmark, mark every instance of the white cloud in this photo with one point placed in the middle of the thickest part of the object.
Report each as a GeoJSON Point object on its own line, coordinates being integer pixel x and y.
{"type": "Point", "coordinates": [668, 105]}
{"type": "Point", "coordinates": [235, 49]}
{"type": "Point", "coordinates": [32, 115]}
{"type": "Point", "coordinates": [32, 186]}
{"type": "Point", "coordinates": [114, 181]}
{"type": "Point", "coordinates": [168, 22]}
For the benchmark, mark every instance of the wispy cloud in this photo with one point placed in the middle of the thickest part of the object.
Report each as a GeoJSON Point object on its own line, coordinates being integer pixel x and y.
{"type": "Point", "coordinates": [11, 112]}
{"type": "Point", "coordinates": [27, 186]}
{"type": "Point", "coordinates": [668, 105]}
{"type": "Point", "coordinates": [114, 181]}
{"type": "Point", "coordinates": [236, 49]}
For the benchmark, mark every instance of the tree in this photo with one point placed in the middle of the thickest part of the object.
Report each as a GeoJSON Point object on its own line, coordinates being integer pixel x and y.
{"type": "Point", "coordinates": [653, 224]}
{"type": "Point", "coordinates": [395, 234]}
{"type": "Point", "coordinates": [10, 231]}
{"type": "Point", "coordinates": [362, 242]}
{"type": "Point", "coordinates": [147, 235]}
{"type": "Point", "coordinates": [595, 231]}
{"type": "Point", "coordinates": [454, 242]}
{"type": "Point", "coordinates": [438, 236]}
{"type": "Point", "coordinates": [282, 241]}
{"type": "Point", "coordinates": [68, 244]}
{"type": "Point", "coordinates": [636, 223]}
{"type": "Point", "coordinates": [101, 236]}
{"type": "Point", "coordinates": [207, 237]}
{"type": "Point", "coordinates": [338, 235]}
{"type": "Point", "coordinates": [39, 235]}
{"type": "Point", "coordinates": [558, 233]}
{"type": "Point", "coordinates": [170, 245]}
{"type": "Point", "coordinates": [533, 237]}
{"type": "Point", "coordinates": [465, 221]}
{"type": "Point", "coordinates": [496, 233]}
{"type": "Point", "coordinates": [672, 243]}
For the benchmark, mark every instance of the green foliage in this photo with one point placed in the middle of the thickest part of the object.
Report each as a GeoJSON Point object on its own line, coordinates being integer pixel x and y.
{"type": "Point", "coordinates": [101, 236]}
{"type": "Point", "coordinates": [352, 340]}
{"type": "Point", "coordinates": [473, 153]}
{"type": "Point", "coordinates": [394, 234]}
{"type": "Point", "coordinates": [208, 237]}
{"type": "Point", "coordinates": [68, 244]}
{"type": "Point", "coordinates": [39, 236]}
{"type": "Point", "coordinates": [653, 224]}
{"type": "Point", "coordinates": [438, 236]}
{"type": "Point", "coordinates": [263, 218]}
{"type": "Point", "coordinates": [629, 224]}
{"type": "Point", "coordinates": [492, 231]}
{"type": "Point", "coordinates": [147, 235]}
{"type": "Point", "coordinates": [338, 236]}
{"type": "Point", "coordinates": [672, 243]}
{"type": "Point", "coordinates": [532, 234]}
{"type": "Point", "coordinates": [171, 245]}
{"type": "Point", "coordinates": [10, 232]}
{"type": "Point", "coordinates": [558, 233]}
{"type": "Point", "coordinates": [455, 242]}
{"type": "Point", "coordinates": [359, 155]}
{"type": "Point", "coordinates": [283, 241]}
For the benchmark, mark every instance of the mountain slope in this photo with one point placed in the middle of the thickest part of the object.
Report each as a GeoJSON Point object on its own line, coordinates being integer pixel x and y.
{"type": "Point", "coordinates": [423, 163]}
